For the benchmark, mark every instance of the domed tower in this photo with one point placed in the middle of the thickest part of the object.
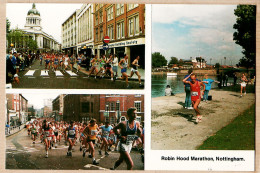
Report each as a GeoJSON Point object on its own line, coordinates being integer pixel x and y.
{"type": "Point", "coordinates": [33, 19]}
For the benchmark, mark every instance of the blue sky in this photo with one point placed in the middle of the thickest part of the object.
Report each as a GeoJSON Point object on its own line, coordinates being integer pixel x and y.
{"type": "Point", "coordinates": [186, 31]}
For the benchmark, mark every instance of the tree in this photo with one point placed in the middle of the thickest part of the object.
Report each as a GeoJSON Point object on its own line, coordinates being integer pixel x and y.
{"type": "Point", "coordinates": [245, 36]}
{"type": "Point", "coordinates": [8, 24]}
{"type": "Point", "coordinates": [173, 60]}
{"type": "Point", "coordinates": [158, 60]}
{"type": "Point", "coordinates": [32, 44]}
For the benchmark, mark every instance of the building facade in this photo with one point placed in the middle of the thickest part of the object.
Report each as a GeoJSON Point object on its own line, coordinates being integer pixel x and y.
{"type": "Point", "coordinates": [125, 26]}
{"type": "Point", "coordinates": [85, 37]}
{"type": "Point", "coordinates": [69, 34]}
{"type": "Point", "coordinates": [57, 107]}
{"type": "Point", "coordinates": [81, 107]}
{"type": "Point", "coordinates": [17, 109]}
{"type": "Point", "coordinates": [113, 107]}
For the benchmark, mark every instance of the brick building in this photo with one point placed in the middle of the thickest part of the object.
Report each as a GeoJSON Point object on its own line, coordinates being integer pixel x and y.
{"type": "Point", "coordinates": [17, 108]}
{"type": "Point", "coordinates": [57, 107]}
{"type": "Point", "coordinates": [113, 107]}
{"type": "Point", "coordinates": [125, 25]}
{"type": "Point", "coordinates": [81, 107]}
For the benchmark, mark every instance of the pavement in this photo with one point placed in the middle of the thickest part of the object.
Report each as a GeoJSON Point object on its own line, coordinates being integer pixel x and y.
{"type": "Point", "coordinates": [22, 154]}
{"type": "Point", "coordinates": [36, 77]}
{"type": "Point", "coordinates": [173, 126]}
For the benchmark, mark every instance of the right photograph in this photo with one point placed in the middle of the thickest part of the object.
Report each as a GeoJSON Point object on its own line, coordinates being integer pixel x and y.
{"type": "Point", "coordinates": [203, 77]}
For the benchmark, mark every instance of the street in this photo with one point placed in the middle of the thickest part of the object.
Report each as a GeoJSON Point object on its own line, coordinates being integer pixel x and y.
{"type": "Point", "coordinates": [22, 154]}
{"type": "Point", "coordinates": [36, 77]}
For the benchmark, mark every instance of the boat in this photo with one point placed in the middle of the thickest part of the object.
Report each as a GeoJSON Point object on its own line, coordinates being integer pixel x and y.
{"type": "Point", "coordinates": [171, 74]}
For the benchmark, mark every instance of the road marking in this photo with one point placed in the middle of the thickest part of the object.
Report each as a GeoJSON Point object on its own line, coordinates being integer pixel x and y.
{"type": "Point", "coordinates": [43, 73]}
{"type": "Point", "coordinates": [60, 77]}
{"type": "Point", "coordinates": [99, 167]}
{"type": "Point", "coordinates": [71, 73]}
{"type": "Point", "coordinates": [85, 77]}
{"type": "Point", "coordinates": [58, 73]}
{"type": "Point", "coordinates": [30, 73]}
{"type": "Point", "coordinates": [46, 77]}
{"type": "Point", "coordinates": [31, 77]}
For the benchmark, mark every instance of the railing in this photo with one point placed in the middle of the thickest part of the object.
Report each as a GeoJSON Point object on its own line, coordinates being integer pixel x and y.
{"type": "Point", "coordinates": [11, 130]}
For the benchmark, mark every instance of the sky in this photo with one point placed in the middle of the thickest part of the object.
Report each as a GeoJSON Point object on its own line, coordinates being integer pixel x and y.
{"type": "Point", "coordinates": [37, 99]}
{"type": "Point", "coordinates": [185, 31]}
{"type": "Point", "coordinates": [52, 15]}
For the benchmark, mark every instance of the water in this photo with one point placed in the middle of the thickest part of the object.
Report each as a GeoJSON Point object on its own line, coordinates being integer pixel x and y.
{"type": "Point", "coordinates": [159, 83]}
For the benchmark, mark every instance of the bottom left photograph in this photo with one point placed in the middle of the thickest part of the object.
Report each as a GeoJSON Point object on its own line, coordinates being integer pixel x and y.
{"type": "Point", "coordinates": [74, 131]}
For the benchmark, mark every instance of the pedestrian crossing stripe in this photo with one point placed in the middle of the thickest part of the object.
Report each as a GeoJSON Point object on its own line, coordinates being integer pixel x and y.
{"type": "Point", "coordinates": [58, 73]}
{"type": "Point", "coordinates": [44, 73]}
{"type": "Point", "coordinates": [30, 73]}
{"type": "Point", "coordinates": [71, 73]}
{"type": "Point", "coordinates": [99, 167]}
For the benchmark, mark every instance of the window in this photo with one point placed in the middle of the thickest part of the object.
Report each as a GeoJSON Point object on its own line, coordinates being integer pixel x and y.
{"type": "Point", "coordinates": [85, 107]}
{"type": "Point", "coordinates": [110, 13]}
{"type": "Point", "coordinates": [119, 9]}
{"type": "Point", "coordinates": [107, 119]}
{"type": "Point", "coordinates": [110, 32]}
{"type": "Point", "coordinates": [118, 105]}
{"type": "Point", "coordinates": [133, 26]}
{"type": "Point", "coordinates": [107, 107]}
{"type": "Point", "coordinates": [120, 30]}
{"type": "Point", "coordinates": [112, 120]}
{"type": "Point", "coordinates": [132, 6]}
{"type": "Point", "coordinates": [96, 19]}
{"type": "Point", "coordinates": [101, 33]}
{"type": "Point", "coordinates": [112, 106]}
{"type": "Point", "coordinates": [138, 95]}
{"type": "Point", "coordinates": [92, 107]}
{"type": "Point", "coordinates": [100, 16]}
{"type": "Point", "coordinates": [96, 34]}
{"type": "Point", "coordinates": [138, 106]}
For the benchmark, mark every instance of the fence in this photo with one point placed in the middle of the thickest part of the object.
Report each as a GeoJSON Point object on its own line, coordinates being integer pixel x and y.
{"type": "Point", "coordinates": [12, 130]}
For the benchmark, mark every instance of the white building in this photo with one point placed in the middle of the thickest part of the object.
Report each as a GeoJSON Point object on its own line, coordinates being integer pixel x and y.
{"type": "Point", "coordinates": [33, 28]}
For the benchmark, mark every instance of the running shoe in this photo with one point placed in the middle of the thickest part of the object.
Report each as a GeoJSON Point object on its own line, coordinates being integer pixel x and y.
{"type": "Point", "coordinates": [106, 153]}
{"type": "Point", "coordinates": [46, 156]}
{"type": "Point", "coordinates": [95, 162]}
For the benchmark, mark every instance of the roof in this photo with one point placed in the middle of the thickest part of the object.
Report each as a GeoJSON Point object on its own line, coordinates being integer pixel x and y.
{"type": "Point", "coordinates": [33, 10]}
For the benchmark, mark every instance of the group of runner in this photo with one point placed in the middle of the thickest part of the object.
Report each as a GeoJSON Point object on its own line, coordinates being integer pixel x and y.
{"type": "Point", "coordinates": [91, 136]}
{"type": "Point", "coordinates": [100, 67]}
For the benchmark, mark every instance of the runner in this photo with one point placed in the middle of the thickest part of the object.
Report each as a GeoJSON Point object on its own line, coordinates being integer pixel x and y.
{"type": "Point", "coordinates": [123, 64]}
{"type": "Point", "coordinates": [94, 66]}
{"type": "Point", "coordinates": [109, 66]}
{"type": "Point", "coordinates": [195, 94]}
{"type": "Point", "coordinates": [134, 70]}
{"type": "Point", "coordinates": [72, 133]}
{"type": "Point", "coordinates": [79, 60]}
{"type": "Point", "coordinates": [66, 62]}
{"type": "Point", "coordinates": [34, 133]}
{"type": "Point", "coordinates": [47, 136]}
{"type": "Point", "coordinates": [102, 63]}
{"type": "Point", "coordinates": [72, 61]}
{"type": "Point", "coordinates": [61, 62]}
{"type": "Point", "coordinates": [47, 62]}
{"type": "Point", "coordinates": [56, 62]}
{"type": "Point", "coordinates": [91, 131]}
{"type": "Point", "coordinates": [207, 87]}
{"type": "Point", "coordinates": [128, 130]}
{"type": "Point", "coordinates": [105, 137]}
{"type": "Point", "coordinates": [243, 84]}
{"type": "Point", "coordinates": [115, 64]}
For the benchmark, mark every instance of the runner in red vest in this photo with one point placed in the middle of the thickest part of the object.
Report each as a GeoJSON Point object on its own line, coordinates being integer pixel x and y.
{"type": "Point", "coordinates": [195, 93]}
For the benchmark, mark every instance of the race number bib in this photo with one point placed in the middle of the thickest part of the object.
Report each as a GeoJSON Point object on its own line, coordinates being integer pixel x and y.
{"type": "Point", "coordinates": [130, 139]}
{"type": "Point", "coordinates": [93, 132]}
{"type": "Point", "coordinates": [71, 132]}
{"type": "Point", "coordinates": [194, 93]}
{"type": "Point", "coordinates": [106, 133]}
{"type": "Point", "coordinates": [47, 133]}
{"type": "Point", "coordinates": [49, 138]}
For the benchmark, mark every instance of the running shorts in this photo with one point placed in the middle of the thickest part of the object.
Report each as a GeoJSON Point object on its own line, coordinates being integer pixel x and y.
{"type": "Point", "coordinates": [123, 70]}
{"type": "Point", "coordinates": [65, 63]}
{"type": "Point", "coordinates": [56, 133]}
{"type": "Point", "coordinates": [115, 68]}
{"type": "Point", "coordinates": [124, 147]}
{"type": "Point", "coordinates": [93, 141]}
{"type": "Point", "coordinates": [243, 84]}
{"type": "Point", "coordinates": [134, 70]}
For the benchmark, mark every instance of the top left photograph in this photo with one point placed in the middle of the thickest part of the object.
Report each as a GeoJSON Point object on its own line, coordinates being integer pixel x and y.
{"type": "Point", "coordinates": [75, 46]}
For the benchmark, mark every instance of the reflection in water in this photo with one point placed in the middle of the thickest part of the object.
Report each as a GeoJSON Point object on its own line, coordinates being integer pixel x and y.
{"type": "Point", "coordinates": [159, 83]}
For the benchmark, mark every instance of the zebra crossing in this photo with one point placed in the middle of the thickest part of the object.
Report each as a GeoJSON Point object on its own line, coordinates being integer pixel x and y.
{"type": "Point", "coordinates": [47, 73]}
